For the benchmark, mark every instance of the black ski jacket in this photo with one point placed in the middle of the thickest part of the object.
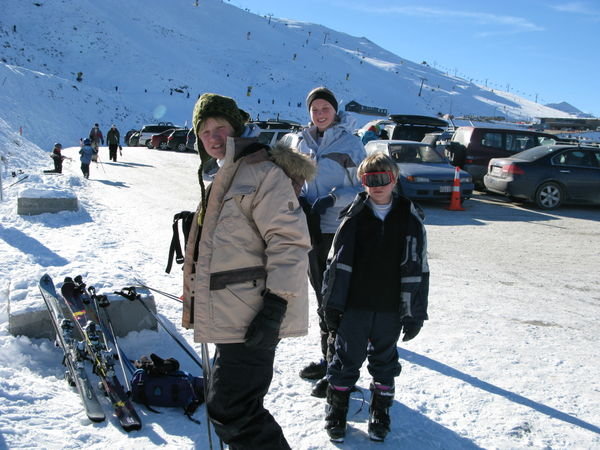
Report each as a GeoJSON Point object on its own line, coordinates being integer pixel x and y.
{"type": "Point", "coordinates": [414, 268]}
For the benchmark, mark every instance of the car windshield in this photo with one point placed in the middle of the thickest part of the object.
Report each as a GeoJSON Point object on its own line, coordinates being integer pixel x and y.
{"type": "Point", "coordinates": [410, 153]}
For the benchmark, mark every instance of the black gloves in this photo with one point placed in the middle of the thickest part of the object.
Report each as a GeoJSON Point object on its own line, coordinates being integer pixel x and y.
{"type": "Point", "coordinates": [321, 204]}
{"type": "Point", "coordinates": [411, 328]}
{"type": "Point", "coordinates": [263, 331]}
{"type": "Point", "coordinates": [333, 318]}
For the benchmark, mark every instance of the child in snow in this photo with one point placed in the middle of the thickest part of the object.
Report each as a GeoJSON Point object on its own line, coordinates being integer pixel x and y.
{"type": "Point", "coordinates": [86, 152]}
{"type": "Point", "coordinates": [376, 286]}
{"type": "Point", "coordinates": [57, 157]}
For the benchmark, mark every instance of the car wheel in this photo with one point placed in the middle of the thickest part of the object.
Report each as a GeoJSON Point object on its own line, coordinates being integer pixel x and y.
{"type": "Point", "coordinates": [149, 145]}
{"type": "Point", "coordinates": [163, 146]}
{"type": "Point", "coordinates": [549, 195]}
{"type": "Point", "coordinates": [181, 147]}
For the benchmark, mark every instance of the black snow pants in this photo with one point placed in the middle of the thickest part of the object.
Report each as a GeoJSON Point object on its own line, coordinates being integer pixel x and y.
{"type": "Point", "coordinates": [240, 380]}
{"type": "Point", "coordinates": [112, 152]}
{"type": "Point", "coordinates": [317, 263]}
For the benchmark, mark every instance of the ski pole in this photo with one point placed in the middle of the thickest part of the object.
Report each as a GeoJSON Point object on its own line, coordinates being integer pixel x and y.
{"type": "Point", "coordinates": [131, 294]}
{"type": "Point", "coordinates": [163, 293]}
{"type": "Point", "coordinates": [207, 369]}
{"type": "Point", "coordinates": [18, 181]}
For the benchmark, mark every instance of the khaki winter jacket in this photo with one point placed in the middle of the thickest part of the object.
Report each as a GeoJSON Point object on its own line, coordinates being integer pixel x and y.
{"type": "Point", "coordinates": [253, 237]}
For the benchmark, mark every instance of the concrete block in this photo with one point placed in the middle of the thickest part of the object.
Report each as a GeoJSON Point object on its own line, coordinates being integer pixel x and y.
{"type": "Point", "coordinates": [38, 201]}
{"type": "Point", "coordinates": [31, 317]}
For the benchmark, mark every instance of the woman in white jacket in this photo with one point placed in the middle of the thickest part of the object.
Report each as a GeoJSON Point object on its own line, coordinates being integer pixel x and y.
{"type": "Point", "coordinates": [330, 142]}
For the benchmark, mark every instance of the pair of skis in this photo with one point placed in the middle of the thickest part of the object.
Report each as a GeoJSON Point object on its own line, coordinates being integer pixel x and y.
{"type": "Point", "coordinates": [97, 338]}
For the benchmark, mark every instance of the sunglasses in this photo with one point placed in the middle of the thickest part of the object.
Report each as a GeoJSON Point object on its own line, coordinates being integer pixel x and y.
{"type": "Point", "coordinates": [377, 179]}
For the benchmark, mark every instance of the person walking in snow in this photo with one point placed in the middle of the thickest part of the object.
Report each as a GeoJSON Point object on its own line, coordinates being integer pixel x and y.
{"type": "Point", "coordinates": [245, 269]}
{"type": "Point", "coordinates": [113, 140]}
{"type": "Point", "coordinates": [87, 152]}
{"type": "Point", "coordinates": [376, 286]}
{"type": "Point", "coordinates": [96, 137]}
{"type": "Point", "coordinates": [330, 142]}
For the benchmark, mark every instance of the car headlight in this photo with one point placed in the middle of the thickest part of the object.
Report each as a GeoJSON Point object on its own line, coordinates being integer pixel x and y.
{"type": "Point", "coordinates": [414, 179]}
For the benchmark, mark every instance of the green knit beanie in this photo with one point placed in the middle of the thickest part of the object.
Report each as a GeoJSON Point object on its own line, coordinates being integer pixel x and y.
{"type": "Point", "coordinates": [214, 105]}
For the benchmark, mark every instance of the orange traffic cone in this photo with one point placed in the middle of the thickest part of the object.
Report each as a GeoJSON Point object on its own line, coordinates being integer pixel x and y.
{"type": "Point", "coordinates": [455, 198]}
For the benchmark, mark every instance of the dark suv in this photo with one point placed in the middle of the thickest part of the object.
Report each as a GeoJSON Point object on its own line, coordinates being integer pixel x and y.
{"type": "Point", "coordinates": [471, 148]}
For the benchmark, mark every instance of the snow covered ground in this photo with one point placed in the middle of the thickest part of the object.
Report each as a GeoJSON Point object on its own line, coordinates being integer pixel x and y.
{"type": "Point", "coordinates": [508, 358]}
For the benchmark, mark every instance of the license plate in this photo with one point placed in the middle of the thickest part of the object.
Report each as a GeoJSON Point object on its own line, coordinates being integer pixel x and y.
{"type": "Point", "coordinates": [496, 170]}
{"type": "Point", "coordinates": [445, 188]}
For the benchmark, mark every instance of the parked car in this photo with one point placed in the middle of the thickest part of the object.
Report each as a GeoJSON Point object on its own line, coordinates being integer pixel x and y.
{"type": "Point", "coordinates": [147, 131]}
{"type": "Point", "coordinates": [291, 140]}
{"type": "Point", "coordinates": [177, 140]}
{"type": "Point", "coordinates": [128, 135]}
{"type": "Point", "coordinates": [190, 142]}
{"type": "Point", "coordinates": [424, 172]}
{"type": "Point", "coordinates": [273, 130]}
{"type": "Point", "coordinates": [159, 140]}
{"type": "Point", "coordinates": [407, 126]}
{"type": "Point", "coordinates": [471, 148]}
{"type": "Point", "coordinates": [133, 139]}
{"type": "Point", "coordinates": [548, 175]}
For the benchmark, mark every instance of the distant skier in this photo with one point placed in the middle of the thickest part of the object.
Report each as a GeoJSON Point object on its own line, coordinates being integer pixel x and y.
{"type": "Point", "coordinates": [87, 152]}
{"type": "Point", "coordinates": [96, 137]}
{"type": "Point", "coordinates": [58, 159]}
{"type": "Point", "coordinates": [112, 139]}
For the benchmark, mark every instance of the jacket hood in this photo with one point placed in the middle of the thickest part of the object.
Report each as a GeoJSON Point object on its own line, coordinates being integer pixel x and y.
{"type": "Point", "coordinates": [297, 166]}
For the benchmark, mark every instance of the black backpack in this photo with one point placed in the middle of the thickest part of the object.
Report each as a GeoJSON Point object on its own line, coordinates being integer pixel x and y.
{"type": "Point", "coordinates": [186, 218]}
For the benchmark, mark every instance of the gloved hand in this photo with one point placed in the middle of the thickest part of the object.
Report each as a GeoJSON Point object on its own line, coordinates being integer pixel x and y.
{"type": "Point", "coordinates": [321, 204]}
{"type": "Point", "coordinates": [333, 318]}
{"type": "Point", "coordinates": [411, 328]}
{"type": "Point", "coordinates": [304, 204]}
{"type": "Point", "coordinates": [263, 331]}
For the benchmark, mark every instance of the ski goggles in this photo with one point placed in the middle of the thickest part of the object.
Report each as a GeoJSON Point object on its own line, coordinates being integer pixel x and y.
{"type": "Point", "coordinates": [377, 179]}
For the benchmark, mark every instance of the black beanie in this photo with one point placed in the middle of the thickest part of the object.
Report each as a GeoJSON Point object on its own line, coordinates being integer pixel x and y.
{"type": "Point", "coordinates": [324, 94]}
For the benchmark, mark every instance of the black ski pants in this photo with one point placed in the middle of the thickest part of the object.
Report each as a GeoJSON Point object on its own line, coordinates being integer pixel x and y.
{"type": "Point", "coordinates": [317, 263]}
{"type": "Point", "coordinates": [366, 335]}
{"type": "Point", "coordinates": [112, 152]}
{"type": "Point", "coordinates": [85, 169]}
{"type": "Point", "coordinates": [240, 380]}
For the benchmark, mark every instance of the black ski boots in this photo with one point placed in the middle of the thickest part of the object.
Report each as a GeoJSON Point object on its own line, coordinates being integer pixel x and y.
{"type": "Point", "coordinates": [382, 398]}
{"type": "Point", "coordinates": [314, 371]}
{"type": "Point", "coordinates": [320, 389]}
{"type": "Point", "coordinates": [336, 411]}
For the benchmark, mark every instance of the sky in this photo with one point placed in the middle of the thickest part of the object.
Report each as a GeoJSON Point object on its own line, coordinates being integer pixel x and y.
{"type": "Point", "coordinates": [544, 50]}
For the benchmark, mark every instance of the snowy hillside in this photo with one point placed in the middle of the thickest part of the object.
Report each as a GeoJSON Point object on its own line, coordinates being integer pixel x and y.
{"type": "Point", "coordinates": [143, 61]}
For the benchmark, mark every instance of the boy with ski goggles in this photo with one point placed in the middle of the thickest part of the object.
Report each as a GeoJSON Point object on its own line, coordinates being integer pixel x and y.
{"type": "Point", "coordinates": [375, 288]}
{"type": "Point", "coordinates": [376, 179]}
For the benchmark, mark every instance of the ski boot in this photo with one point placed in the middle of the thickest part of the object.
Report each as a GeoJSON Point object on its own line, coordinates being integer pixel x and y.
{"type": "Point", "coordinates": [314, 371]}
{"type": "Point", "coordinates": [320, 388]}
{"type": "Point", "coordinates": [336, 411]}
{"type": "Point", "coordinates": [382, 398]}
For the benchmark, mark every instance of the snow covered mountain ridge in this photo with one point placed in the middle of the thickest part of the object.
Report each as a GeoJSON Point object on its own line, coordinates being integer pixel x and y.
{"type": "Point", "coordinates": [144, 61]}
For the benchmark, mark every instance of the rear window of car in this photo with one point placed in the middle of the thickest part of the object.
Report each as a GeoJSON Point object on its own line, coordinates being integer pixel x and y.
{"type": "Point", "coordinates": [462, 136]}
{"type": "Point", "coordinates": [534, 153]}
